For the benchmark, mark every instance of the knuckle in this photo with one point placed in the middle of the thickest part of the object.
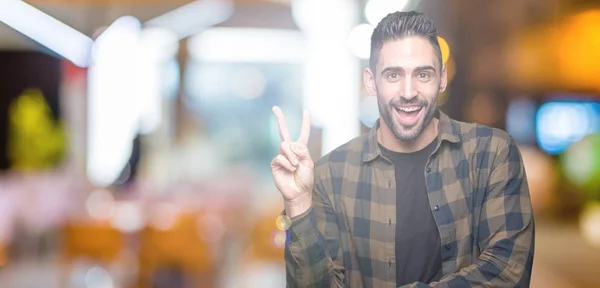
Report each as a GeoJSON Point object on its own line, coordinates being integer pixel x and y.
{"type": "Point", "coordinates": [275, 160]}
{"type": "Point", "coordinates": [284, 145]}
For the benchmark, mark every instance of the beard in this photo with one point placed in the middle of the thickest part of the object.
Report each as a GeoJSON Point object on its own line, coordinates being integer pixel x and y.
{"type": "Point", "coordinates": [402, 132]}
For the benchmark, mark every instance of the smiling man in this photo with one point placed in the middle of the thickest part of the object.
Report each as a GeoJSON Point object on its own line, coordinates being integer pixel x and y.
{"type": "Point", "coordinates": [421, 200]}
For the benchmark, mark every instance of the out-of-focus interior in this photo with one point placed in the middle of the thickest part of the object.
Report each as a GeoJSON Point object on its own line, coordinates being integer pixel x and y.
{"type": "Point", "coordinates": [136, 135]}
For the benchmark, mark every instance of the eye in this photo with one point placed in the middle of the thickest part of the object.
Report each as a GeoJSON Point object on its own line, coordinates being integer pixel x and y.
{"type": "Point", "coordinates": [393, 76]}
{"type": "Point", "coordinates": [423, 76]}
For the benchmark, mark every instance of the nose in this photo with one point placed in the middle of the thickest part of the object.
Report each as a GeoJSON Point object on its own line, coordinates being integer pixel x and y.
{"type": "Point", "coordinates": [408, 90]}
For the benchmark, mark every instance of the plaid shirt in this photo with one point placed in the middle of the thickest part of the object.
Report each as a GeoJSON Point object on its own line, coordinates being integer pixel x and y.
{"type": "Point", "coordinates": [478, 195]}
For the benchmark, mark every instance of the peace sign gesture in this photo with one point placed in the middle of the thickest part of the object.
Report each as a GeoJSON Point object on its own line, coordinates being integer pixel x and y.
{"type": "Point", "coordinates": [293, 169]}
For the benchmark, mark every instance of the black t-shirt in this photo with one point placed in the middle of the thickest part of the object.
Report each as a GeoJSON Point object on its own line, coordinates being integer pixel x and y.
{"type": "Point", "coordinates": [418, 248]}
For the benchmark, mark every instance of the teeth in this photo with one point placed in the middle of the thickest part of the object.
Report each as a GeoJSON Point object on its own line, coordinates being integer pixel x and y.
{"type": "Point", "coordinates": [409, 109]}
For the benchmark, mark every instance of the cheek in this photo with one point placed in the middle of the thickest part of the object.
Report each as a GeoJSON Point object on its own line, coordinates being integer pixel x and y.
{"type": "Point", "coordinates": [388, 90]}
{"type": "Point", "coordinates": [428, 90]}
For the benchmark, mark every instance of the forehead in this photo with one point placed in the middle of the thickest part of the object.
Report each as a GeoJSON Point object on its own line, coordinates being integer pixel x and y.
{"type": "Point", "coordinates": [407, 53]}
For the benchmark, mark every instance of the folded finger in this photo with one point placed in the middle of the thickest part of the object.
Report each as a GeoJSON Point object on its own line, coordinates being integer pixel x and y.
{"type": "Point", "coordinates": [281, 162]}
{"type": "Point", "coordinates": [286, 150]}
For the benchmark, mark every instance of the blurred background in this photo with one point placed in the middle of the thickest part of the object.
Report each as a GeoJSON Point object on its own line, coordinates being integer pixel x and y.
{"type": "Point", "coordinates": [136, 135]}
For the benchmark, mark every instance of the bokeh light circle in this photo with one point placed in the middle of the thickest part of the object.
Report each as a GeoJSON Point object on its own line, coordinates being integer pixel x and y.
{"type": "Point", "coordinates": [283, 222]}
{"type": "Point", "coordinates": [445, 49]}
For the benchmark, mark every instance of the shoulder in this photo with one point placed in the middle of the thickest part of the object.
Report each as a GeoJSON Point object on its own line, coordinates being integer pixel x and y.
{"type": "Point", "coordinates": [482, 139]}
{"type": "Point", "coordinates": [477, 135]}
{"type": "Point", "coordinates": [347, 154]}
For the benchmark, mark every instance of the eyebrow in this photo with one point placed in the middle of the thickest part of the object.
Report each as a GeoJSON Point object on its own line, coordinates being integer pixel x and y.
{"type": "Point", "coordinates": [417, 69]}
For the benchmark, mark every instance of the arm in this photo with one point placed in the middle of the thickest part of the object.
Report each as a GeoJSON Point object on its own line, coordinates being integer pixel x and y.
{"type": "Point", "coordinates": [506, 230]}
{"type": "Point", "coordinates": [313, 257]}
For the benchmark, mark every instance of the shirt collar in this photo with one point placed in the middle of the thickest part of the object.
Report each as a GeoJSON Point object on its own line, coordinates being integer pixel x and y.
{"type": "Point", "coordinates": [447, 131]}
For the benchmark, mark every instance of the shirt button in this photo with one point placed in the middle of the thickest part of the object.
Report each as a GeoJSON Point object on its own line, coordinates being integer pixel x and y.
{"type": "Point", "coordinates": [428, 169]}
{"type": "Point", "coordinates": [436, 208]}
{"type": "Point", "coordinates": [448, 247]}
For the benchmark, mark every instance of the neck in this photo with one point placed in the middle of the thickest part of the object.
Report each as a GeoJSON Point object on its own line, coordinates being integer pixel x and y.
{"type": "Point", "coordinates": [386, 137]}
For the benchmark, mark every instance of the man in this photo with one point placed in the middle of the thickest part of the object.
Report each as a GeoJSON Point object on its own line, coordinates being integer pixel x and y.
{"type": "Point", "coordinates": [421, 200]}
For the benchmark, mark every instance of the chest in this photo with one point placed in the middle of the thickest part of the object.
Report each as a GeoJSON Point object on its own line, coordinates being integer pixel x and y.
{"type": "Point", "coordinates": [450, 179]}
{"type": "Point", "coordinates": [367, 199]}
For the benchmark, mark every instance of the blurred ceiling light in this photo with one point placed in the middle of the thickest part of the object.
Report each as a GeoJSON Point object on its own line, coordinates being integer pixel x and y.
{"type": "Point", "coordinates": [125, 85]}
{"type": "Point", "coordinates": [375, 10]}
{"type": "Point", "coordinates": [360, 41]}
{"type": "Point", "coordinates": [247, 45]}
{"type": "Point", "coordinates": [46, 30]}
{"type": "Point", "coordinates": [156, 47]}
{"type": "Point", "coordinates": [312, 16]}
{"type": "Point", "coordinates": [113, 105]}
{"type": "Point", "coordinates": [124, 31]}
{"type": "Point", "coordinates": [159, 43]}
{"type": "Point", "coordinates": [327, 26]}
{"type": "Point", "coordinates": [194, 17]}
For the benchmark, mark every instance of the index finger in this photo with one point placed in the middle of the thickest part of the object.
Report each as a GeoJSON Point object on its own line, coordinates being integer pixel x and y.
{"type": "Point", "coordinates": [283, 131]}
{"type": "Point", "coordinates": [305, 130]}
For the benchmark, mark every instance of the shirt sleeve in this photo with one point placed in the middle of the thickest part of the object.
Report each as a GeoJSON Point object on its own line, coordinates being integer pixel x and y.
{"type": "Point", "coordinates": [313, 256]}
{"type": "Point", "coordinates": [506, 230]}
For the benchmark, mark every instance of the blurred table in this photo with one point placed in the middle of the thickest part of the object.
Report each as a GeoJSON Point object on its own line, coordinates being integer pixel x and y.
{"type": "Point", "coordinates": [562, 257]}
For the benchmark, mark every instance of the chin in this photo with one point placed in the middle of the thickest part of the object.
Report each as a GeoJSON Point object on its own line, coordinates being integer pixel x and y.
{"type": "Point", "coordinates": [410, 134]}
{"type": "Point", "coordinates": [402, 132]}
{"type": "Point", "coordinates": [413, 132]}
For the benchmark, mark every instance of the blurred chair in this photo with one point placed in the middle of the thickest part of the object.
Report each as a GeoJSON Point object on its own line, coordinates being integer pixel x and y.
{"type": "Point", "coordinates": [266, 242]}
{"type": "Point", "coordinates": [262, 264]}
{"type": "Point", "coordinates": [173, 250]}
{"type": "Point", "coordinates": [97, 241]}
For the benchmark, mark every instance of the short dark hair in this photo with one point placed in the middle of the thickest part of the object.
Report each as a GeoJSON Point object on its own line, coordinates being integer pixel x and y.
{"type": "Point", "coordinates": [398, 25]}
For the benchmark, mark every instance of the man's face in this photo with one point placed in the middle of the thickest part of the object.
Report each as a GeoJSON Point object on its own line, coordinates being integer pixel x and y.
{"type": "Point", "coordinates": [407, 80]}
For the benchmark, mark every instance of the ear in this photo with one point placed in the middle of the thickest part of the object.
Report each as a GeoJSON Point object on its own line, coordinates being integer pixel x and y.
{"type": "Point", "coordinates": [369, 80]}
{"type": "Point", "coordinates": [444, 79]}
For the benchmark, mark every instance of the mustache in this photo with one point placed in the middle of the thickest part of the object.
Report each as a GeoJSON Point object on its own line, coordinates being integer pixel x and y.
{"type": "Point", "coordinates": [413, 101]}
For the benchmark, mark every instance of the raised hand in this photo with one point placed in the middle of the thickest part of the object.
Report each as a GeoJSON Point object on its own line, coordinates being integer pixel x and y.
{"type": "Point", "coordinates": [293, 169]}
